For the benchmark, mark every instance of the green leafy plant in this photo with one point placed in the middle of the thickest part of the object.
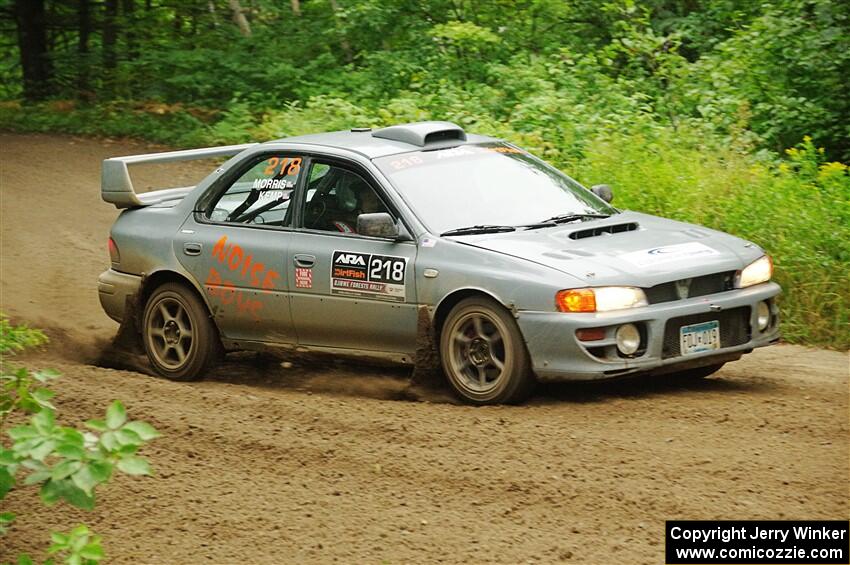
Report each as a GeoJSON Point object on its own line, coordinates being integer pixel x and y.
{"type": "Point", "coordinates": [22, 390]}
{"type": "Point", "coordinates": [79, 546]}
{"type": "Point", "coordinates": [66, 464]}
{"type": "Point", "coordinates": [17, 338]}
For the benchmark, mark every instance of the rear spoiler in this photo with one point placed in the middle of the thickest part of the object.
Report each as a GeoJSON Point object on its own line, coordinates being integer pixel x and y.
{"type": "Point", "coordinates": [117, 188]}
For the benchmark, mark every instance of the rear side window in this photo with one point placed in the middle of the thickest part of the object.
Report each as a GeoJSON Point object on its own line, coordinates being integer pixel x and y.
{"type": "Point", "coordinates": [261, 195]}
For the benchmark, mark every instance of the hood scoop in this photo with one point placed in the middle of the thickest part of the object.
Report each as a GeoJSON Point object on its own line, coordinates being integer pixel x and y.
{"type": "Point", "coordinates": [604, 230]}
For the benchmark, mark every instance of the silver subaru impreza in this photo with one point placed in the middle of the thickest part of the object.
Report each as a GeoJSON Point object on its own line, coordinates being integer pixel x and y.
{"type": "Point", "coordinates": [419, 242]}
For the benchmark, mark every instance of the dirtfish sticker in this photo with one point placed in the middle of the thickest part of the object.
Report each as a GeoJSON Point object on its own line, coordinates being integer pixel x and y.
{"type": "Point", "coordinates": [370, 276]}
{"type": "Point", "coordinates": [668, 253]}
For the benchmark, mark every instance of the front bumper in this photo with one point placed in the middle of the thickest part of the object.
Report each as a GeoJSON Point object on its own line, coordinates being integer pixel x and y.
{"type": "Point", "coordinates": [557, 354]}
{"type": "Point", "coordinates": [114, 289]}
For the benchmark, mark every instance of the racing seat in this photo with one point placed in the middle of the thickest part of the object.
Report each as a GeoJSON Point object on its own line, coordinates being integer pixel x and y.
{"type": "Point", "coordinates": [335, 206]}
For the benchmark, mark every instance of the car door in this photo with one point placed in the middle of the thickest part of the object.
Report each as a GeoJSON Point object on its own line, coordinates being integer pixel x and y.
{"type": "Point", "coordinates": [237, 249]}
{"type": "Point", "coordinates": [349, 291]}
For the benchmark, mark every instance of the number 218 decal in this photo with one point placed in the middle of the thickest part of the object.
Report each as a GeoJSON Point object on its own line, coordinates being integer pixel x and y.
{"type": "Point", "coordinates": [367, 275]}
{"type": "Point", "coordinates": [387, 269]}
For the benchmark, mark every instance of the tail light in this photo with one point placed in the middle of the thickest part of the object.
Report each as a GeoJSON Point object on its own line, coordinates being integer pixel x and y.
{"type": "Point", "coordinates": [114, 255]}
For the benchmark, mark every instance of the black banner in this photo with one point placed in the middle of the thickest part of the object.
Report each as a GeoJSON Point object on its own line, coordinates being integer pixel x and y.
{"type": "Point", "coordinates": [816, 542]}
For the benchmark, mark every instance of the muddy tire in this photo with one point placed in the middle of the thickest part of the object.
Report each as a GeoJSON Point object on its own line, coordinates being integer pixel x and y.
{"type": "Point", "coordinates": [483, 354]}
{"type": "Point", "coordinates": [698, 372]}
{"type": "Point", "coordinates": [180, 339]}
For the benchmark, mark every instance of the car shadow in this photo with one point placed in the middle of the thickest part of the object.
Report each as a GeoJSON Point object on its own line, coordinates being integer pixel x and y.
{"type": "Point", "coordinates": [322, 374]}
{"type": "Point", "coordinates": [643, 386]}
{"type": "Point", "coordinates": [335, 376]}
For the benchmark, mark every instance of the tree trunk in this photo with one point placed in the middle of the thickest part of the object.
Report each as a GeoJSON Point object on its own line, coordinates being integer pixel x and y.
{"type": "Point", "coordinates": [110, 35]}
{"type": "Point", "coordinates": [32, 42]}
{"type": "Point", "coordinates": [343, 42]}
{"type": "Point", "coordinates": [239, 18]}
{"type": "Point", "coordinates": [296, 7]}
{"type": "Point", "coordinates": [83, 33]}
{"type": "Point", "coordinates": [129, 9]}
{"type": "Point", "coordinates": [213, 16]}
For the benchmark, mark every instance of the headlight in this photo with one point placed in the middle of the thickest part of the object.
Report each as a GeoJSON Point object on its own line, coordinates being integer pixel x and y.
{"type": "Point", "coordinates": [758, 271]}
{"type": "Point", "coordinates": [601, 299]}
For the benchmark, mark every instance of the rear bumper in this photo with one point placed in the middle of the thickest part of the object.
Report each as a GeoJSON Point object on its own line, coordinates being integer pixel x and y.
{"type": "Point", "coordinates": [557, 354]}
{"type": "Point", "coordinates": [114, 289]}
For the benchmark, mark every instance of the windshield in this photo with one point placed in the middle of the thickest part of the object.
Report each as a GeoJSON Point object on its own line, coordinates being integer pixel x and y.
{"type": "Point", "coordinates": [485, 184]}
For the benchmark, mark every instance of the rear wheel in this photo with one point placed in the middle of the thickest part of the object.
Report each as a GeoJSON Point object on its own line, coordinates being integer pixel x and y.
{"type": "Point", "coordinates": [483, 353]}
{"type": "Point", "coordinates": [179, 337]}
{"type": "Point", "coordinates": [699, 372]}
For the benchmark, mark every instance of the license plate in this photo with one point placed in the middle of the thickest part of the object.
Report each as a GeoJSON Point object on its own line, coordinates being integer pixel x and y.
{"type": "Point", "coordinates": [695, 338]}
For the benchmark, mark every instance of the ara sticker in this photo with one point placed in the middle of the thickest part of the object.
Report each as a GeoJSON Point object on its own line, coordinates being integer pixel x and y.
{"type": "Point", "coordinates": [368, 275]}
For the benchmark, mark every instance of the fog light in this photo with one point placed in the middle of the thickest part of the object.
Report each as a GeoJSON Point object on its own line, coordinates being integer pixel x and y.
{"type": "Point", "coordinates": [628, 339]}
{"type": "Point", "coordinates": [762, 315]}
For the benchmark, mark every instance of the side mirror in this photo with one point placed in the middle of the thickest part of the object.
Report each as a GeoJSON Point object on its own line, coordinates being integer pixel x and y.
{"type": "Point", "coordinates": [379, 224]}
{"type": "Point", "coordinates": [603, 191]}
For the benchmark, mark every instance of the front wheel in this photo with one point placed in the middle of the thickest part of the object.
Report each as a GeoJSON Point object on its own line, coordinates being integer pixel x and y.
{"type": "Point", "coordinates": [179, 337]}
{"type": "Point", "coordinates": [483, 354]}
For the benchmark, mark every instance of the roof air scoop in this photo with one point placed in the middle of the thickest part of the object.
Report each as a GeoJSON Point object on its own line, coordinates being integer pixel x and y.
{"type": "Point", "coordinates": [424, 134]}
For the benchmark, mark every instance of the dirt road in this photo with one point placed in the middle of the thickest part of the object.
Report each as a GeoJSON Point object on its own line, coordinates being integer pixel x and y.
{"type": "Point", "coordinates": [265, 464]}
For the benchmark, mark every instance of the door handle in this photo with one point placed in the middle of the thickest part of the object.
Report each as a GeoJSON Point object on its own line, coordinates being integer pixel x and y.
{"type": "Point", "coordinates": [304, 260]}
{"type": "Point", "coordinates": [192, 248]}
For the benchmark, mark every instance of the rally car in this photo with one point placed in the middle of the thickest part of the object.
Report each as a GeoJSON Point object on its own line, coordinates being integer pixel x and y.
{"type": "Point", "coordinates": [391, 242]}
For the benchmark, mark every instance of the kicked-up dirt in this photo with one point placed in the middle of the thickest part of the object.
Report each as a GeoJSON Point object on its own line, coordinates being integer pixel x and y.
{"type": "Point", "coordinates": [325, 461]}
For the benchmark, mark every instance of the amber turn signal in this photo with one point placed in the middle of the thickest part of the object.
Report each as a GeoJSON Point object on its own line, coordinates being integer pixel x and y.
{"type": "Point", "coordinates": [576, 300]}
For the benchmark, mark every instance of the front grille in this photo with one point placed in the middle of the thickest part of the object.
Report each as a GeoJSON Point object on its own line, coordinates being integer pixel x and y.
{"type": "Point", "coordinates": [734, 329]}
{"type": "Point", "coordinates": [697, 286]}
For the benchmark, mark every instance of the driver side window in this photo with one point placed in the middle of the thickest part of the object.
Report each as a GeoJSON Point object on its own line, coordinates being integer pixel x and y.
{"type": "Point", "coordinates": [261, 195]}
{"type": "Point", "coordinates": [335, 197]}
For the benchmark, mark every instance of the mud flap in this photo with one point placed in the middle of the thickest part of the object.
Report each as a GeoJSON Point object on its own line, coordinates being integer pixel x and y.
{"type": "Point", "coordinates": [427, 370]}
{"type": "Point", "coordinates": [129, 337]}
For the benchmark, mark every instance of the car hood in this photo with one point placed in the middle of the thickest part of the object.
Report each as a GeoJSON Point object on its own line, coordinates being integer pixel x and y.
{"type": "Point", "coordinates": [628, 248]}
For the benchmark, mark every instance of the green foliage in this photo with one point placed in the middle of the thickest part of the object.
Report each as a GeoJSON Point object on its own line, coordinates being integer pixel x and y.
{"type": "Point", "coordinates": [6, 519]}
{"type": "Point", "coordinates": [68, 463]}
{"type": "Point", "coordinates": [787, 69]}
{"type": "Point", "coordinates": [65, 463]}
{"type": "Point", "coordinates": [20, 388]}
{"type": "Point", "coordinates": [17, 338]}
{"type": "Point", "coordinates": [78, 547]}
{"type": "Point", "coordinates": [777, 68]}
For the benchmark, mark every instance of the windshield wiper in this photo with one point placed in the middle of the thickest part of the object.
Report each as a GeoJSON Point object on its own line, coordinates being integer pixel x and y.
{"type": "Point", "coordinates": [469, 230]}
{"type": "Point", "coordinates": [564, 218]}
